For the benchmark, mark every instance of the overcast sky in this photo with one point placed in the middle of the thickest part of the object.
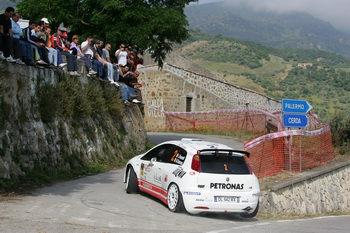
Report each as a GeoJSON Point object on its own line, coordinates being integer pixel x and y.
{"type": "Point", "coordinates": [336, 12]}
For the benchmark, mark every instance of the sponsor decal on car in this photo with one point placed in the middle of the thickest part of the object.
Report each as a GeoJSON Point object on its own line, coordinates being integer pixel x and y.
{"type": "Point", "coordinates": [179, 172]}
{"type": "Point", "coordinates": [178, 158]}
{"type": "Point", "coordinates": [157, 178]}
{"type": "Point", "coordinates": [192, 173]}
{"type": "Point", "coordinates": [226, 186]}
{"type": "Point", "coordinates": [141, 169]}
{"type": "Point", "coordinates": [193, 193]}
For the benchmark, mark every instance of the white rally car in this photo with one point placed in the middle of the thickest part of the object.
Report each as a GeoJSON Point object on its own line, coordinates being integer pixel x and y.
{"type": "Point", "coordinates": [196, 176]}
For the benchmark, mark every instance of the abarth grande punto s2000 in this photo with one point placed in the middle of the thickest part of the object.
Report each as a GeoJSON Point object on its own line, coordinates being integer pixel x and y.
{"type": "Point", "coordinates": [196, 176]}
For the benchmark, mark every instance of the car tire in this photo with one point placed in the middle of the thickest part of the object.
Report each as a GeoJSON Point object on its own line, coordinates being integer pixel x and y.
{"type": "Point", "coordinates": [251, 215]}
{"type": "Point", "coordinates": [175, 201]}
{"type": "Point", "coordinates": [131, 181]}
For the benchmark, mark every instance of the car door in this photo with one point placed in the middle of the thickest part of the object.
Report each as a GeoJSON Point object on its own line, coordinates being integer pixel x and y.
{"type": "Point", "coordinates": [151, 172]}
{"type": "Point", "coordinates": [171, 165]}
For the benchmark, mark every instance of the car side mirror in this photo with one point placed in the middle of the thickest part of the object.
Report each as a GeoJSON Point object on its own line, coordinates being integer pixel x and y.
{"type": "Point", "coordinates": [154, 159]}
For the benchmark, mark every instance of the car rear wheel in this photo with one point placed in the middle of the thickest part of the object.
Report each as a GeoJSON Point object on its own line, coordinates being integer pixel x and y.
{"type": "Point", "coordinates": [175, 201]}
{"type": "Point", "coordinates": [131, 181]}
{"type": "Point", "coordinates": [251, 215]}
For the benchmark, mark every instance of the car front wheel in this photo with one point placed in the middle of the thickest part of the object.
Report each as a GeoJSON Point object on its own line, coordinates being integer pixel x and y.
{"type": "Point", "coordinates": [175, 201]}
{"type": "Point", "coordinates": [131, 181]}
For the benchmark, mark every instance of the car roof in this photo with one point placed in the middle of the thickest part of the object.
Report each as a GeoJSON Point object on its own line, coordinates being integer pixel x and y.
{"type": "Point", "coordinates": [196, 144]}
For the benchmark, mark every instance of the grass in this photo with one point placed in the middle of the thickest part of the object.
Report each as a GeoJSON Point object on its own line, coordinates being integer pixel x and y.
{"type": "Point", "coordinates": [235, 74]}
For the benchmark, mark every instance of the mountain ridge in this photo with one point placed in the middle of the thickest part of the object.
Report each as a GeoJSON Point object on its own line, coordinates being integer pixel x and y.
{"type": "Point", "coordinates": [288, 30]}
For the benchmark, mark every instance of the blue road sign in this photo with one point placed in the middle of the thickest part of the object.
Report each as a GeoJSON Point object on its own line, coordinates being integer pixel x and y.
{"type": "Point", "coordinates": [295, 121]}
{"type": "Point", "coordinates": [296, 106]}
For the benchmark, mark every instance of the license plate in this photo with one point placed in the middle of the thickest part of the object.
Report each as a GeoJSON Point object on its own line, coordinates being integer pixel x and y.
{"type": "Point", "coordinates": [229, 199]}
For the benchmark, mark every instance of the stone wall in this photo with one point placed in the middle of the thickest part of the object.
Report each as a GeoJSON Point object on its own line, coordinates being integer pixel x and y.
{"type": "Point", "coordinates": [27, 144]}
{"type": "Point", "coordinates": [169, 89]}
{"type": "Point", "coordinates": [321, 191]}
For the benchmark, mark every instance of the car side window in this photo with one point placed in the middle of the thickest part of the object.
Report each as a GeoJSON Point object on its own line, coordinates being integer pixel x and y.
{"type": "Point", "coordinates": [174, 155]}
{"type": "Point", "coordinates": [167, 153]}
{"type": "Point", "coordinates": [155, 152]}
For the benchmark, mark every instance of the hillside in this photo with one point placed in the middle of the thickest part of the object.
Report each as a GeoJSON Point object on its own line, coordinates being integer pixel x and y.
{"type": "Point", "coordinates": [292, 30]}
{"type": "Point", "coordinates": [275, 72]}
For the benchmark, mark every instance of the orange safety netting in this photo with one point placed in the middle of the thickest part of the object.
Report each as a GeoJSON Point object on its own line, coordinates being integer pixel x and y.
{"type": "Point", "coordinates": [294, 150]}
{"type": "Point", "coordinates": [276, 150]}
{"type": "Point", "coordinates": [230, 120]}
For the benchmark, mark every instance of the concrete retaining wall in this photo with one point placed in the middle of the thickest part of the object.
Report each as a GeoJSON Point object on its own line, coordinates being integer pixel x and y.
{"type": "Point", "coordinates": [321, 191]}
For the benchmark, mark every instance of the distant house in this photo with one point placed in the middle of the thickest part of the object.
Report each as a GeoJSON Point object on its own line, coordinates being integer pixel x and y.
{"type": "Point", "coordinates": [321, 59]}
{"type": "Point", "coordinates": [305, 64]}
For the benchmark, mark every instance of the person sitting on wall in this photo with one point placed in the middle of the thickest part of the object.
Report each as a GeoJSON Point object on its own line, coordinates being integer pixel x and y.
{"type": "Point", "coordinates": [134, 87]}
{"type": "Point", "coordinates": [6, 39]}
{"type": "Point", "coordinates": [57, 43]}
{"type": "Point", "coordinates": [74, 47]}
{"type": "Point", "coordinates": [39, 51]}
{"type": "Point", "coordinates": [104, 54]}
{"type": "Point", "coordinates": [97, 59]}
{"type": "Point", "coordinates": [88, 51]}
{"type": "Point", "coordinates": [20, 50]}
{"type": "Point", "coordinates": [124, 72]}
{"type": "Point", "coordinates": [114, 69]}
{"type": "Point", "coordinates": [53, 54]}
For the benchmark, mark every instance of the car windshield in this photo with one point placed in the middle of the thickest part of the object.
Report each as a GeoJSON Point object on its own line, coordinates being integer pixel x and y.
{"type": "Point", "coordinates": [223, 164]}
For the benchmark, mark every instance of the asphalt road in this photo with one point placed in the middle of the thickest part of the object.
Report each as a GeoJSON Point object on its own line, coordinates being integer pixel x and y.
{"type": "Point", "coordinates": [99, 204]}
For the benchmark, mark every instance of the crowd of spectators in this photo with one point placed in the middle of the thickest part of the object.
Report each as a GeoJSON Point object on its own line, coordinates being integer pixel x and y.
{"type": "Point", "coordinates": [36, 46]}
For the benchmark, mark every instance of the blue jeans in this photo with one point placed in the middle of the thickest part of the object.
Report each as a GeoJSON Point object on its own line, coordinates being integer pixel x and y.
{"type": "Point", "coordinates": [98, 67]}
{"type": "Point", "coordinates": [127, 92]}
{"type": "Point", "coordinates": [26, 49]}
{"type": "Point", "coordinates": [115, 73]}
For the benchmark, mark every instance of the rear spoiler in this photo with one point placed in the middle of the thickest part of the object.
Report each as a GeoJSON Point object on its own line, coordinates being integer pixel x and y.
{"type": "Point", "coordinates": [217, 151]}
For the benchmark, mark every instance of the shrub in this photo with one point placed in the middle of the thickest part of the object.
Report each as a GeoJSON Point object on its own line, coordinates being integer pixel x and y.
{"type": "Point", "coordinates": [69, 98]}
{"type": "Point", "coordinates": [340, 128]}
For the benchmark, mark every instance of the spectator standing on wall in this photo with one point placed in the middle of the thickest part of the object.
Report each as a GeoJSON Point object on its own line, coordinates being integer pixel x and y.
{"type": "Point", "coordinates": [6, 39]}
{"type": "Point", "coordinates": [122, 55]}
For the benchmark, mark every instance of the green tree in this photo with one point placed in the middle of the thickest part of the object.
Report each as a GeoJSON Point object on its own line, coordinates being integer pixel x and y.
{"type": "Point", "coordinates": [146, 24]}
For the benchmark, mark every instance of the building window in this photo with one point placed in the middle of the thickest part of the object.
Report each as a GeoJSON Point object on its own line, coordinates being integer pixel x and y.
{"type": "Point", "coordinates": [188, 104]}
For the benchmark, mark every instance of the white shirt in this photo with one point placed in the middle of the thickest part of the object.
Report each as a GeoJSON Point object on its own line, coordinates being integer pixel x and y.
{"type": "Point", "coordinates": [87, 51]}
{"type": "Point", "coordinates": [122, 57]}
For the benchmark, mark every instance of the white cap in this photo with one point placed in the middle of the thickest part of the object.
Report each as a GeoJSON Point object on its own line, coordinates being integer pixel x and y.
{"type": "Point", "coordinates": [45, 20]}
